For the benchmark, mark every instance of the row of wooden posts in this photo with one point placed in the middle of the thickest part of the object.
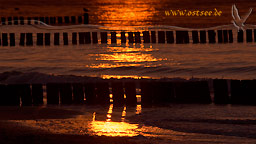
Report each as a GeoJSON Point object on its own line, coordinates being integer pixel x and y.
{"type": "Point", "coordinates": [54, 20]}
{"type": "Point", "coordinates": [182, 37]}
{"type": "Point", "coordinates": [152, 93]}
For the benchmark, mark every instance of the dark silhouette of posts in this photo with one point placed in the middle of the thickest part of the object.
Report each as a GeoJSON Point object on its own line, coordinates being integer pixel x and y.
{"type": "Point", "coordinates": [90, 93]}
{"type": "Point", "coordinates": [9, 19]}
{"type": "Point", "coordinates": [65, 38]}
{"type": "Point", "coordinates": [40, 39]}
{"type": "Point", "coordinates": [65, 90]}
{"type": "Point", "coordinates": [78, 93]}
{"type": "Point", "coordinates": [29, 20]}
{"type": "Point", "coordinates": [15, 20]}
{"type": "Point", "coordinates": [25, 93]}
{"type": "Point", "coordinates": [220, 36]}
{"type": "Point", "coordinates": [22, 39]}
{"type": "Point", "coordinates": [123, 37]}
{"type": "Point", "coordinates": [4, 39]}
{"type": "Point", "coordinates": [94, 37]}
{"type": "Point", "coordinates": [153, 36]}
{"type": "Point", "coordinates": [240, 36]}
{"type": "Point", "coordinates": [195, 37]}
{"type": "Point", "coordinates": [3, 20]}
{"type": "Point", "coordinates": [87, 37]}
{"type": "Point", "coordinates": [52, 93]}
{"type": "Point", "coordinates": [254, 35]}
{"type": "Point", "coordinates": [130, 92]}
{"type": "Point", "coordinates": [236, 92]}
{"type": "Point", "coordinates": [9, 95]}
{"type": "Point", "coordinates": [12, 39]}
{"type": "Point", "coordinates": [137, 37]}
{"type": "Point", "coordinates": [161, 37]}
{"type": "Point", "coordinates": [248, 90]}
{"type": "Point", "coordinates": [66, 19]}
{"type": "Point", "coordinates": [29, 39]}
{"type": "Point", "coordinates": [80, 19]}
{"type": "Point", "coordinates": [169, 37]}
{"type": "Point", "coordinates": [193, 92]}
{"type": "Point", "coordinates": [41, 19]}
{"type": "Point", "coordinates": [220, 91]}
{"type": "Point", "coordinates": [73, 19]}
{"type": "Point", "coordinates": [146, 37]}
{"type": "Point", "coordinates": [56, 38]}
{"type": "Point", "coordinates": [86, 18]}
{"type": "Point", "coordinates": [74, 38]}
{"type": "Point", "coordinates": [225, 36]}
{"type": "Point", "coordinates": [104, 37]}
{"type": "Point", "coordinates": [211, 36]}
{"type": "Point", "coordinates": [113, 37]}
{"type": "Point", "coordinates": [230, 36]}
{"type": "Point", "coordinates": [21, 20]}
{"type": "Point", "coordinates": [182, 37]}
{"type": "Point", "coordinates": [118, 93]}
{"type": "Point", "coordinates": [102, 93]}
{"type": "Point", "coordinates": [162, 93]}
{"type": "Point", "coordinates": [35, 20]}
{"type": "Point", "coordinates": [146, 93]}
{"type": "Point", "coordinates": [52, 20]}
{"type": "Point", "coordinates": [47, 20]}
{"type": "Point", "coordinates": [202, 36]}
{"type": "Point", "coordinates": [37, 94]}
{"type": "Point", "coordinates": [249, 35]}
{"type": "Point", "coordinates": [60, 21]}
{"type": "Point", "coordinates": [47, 39]}
{"type": "Point", "coordinates": [130, 37]}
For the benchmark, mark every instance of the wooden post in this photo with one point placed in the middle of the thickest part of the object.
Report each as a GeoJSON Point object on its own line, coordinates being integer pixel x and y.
{"type": "Point", "coordinates": [40, 39]}
{"type": "Point", "coordinates": [25, 93]}
{"type": "Point", "coordinates": [130, 37]}
{"type": "Point", "coordinates": [130, 92]}
{"type": "Point", "coordinates": [65, 38]}
{"type": "Point", "coordinates": [123, 37]}
{"type": "Point", "coordinates": [220, 91]}
{"type": "Point", "coordinates": [182, 37]}
{"type": "Point", "coordinates": [3, 20]}
{"type": "Point", "coordinates": [60, 20]}
{"type": "Point", "coordinates": [80, 19]}
{"type": "Point", "coordinates": [47, 21]}
{"type": "Point", "coordinates": [94, 37]}
{"type": "Point", "coordinates": [73, 19]}
{"type": "Point", "coordinates": [249, 35]}
{"type": "Point", "coordinates": [202, 36]}
{"type": "Point", "coordinates": [104, 37]}
{"type": "Point", "coordinates": [15, 20]}
{"type": "Point", "coordinates": [195, 37]}
{"type": "Point", "coordinates": [56, 38]}
{"type": "Point", "coordinates": [118, 93]}
{"type": "Point", "coordinates": [90, 93]}
{"type": "Point", "coordinates": [41, 19]}
{"type": "Point", "coordinates": [87, 37]}
{"type": "Point", "coordinates": [169, 37]}
{"type": "Point", "coordinates": [146, 37]}
{"type": "Point", "coordinates": [146, 93]}
{"type": "Point", "coordinates": [52, 93]}
{"type": "Point", "coordinates": [78, 93]}
{"type": "Point", "coordinates": [9, 95]}
{"type": "Point", "coordinates": [12, 39]}
{"type": "Point", "coordinates": [35, 20]}
{"type": "Point", "coordinates": [66, 19]}
{"type": "Point", "coordinates": [65, 90]}
{"type": "Point", "coordinates": [9, 19]}
{"type": "Point", "coordinates": [74, 38]}
{"type": "Point", "coordinates": [220, 36]}
{"type": "Point", "coordinates": [4, 39]}
{"type": "Point", "coordinates": [102, 92]}
{"type": "Point", "coordinates": [113, 37]}
{"type": "Point", "coordinates": [230, 36]}
{"type": "Point", "coordinates": [86, 18]}
{"type": "Point", "coordinates": [240, 36]}
{"type": "Point", "coordinates": [29, 20]}
{"type": "Point", "coordinates": [163, 93]}
{"type": "Point", "coordinates": [29, 39]}
{"type": "Point", "coordinates": [254, 35]}
{"type": "Point", "coordinates": [47, 37]}
{"type": "Point", "coordinates": [225, 36]}
{"type": "Point", "coordinates": [52, 20]}
{"type": "Point", "coordinates": [22, 39]}
{"type": "Point", "coordinates": [211, 36]}
{"type": "Point", "coordinates": [137, 37]}
{"type": "Point", "coordinates": [37, 94]}
{"type": "Point", "coordinates": [153, 36]}
{"type": "Point", "coordinates": [161, 37]}
{"type": "Point", "coordinates": [81, 37]}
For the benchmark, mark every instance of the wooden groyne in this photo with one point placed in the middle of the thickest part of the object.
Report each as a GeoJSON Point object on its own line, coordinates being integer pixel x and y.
{"type": "Point", "coordinates": [152, 92]}
{"type": "Point", "coordinates": [53, 38]}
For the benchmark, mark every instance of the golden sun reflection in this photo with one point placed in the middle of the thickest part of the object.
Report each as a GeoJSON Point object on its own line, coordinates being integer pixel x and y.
{"type": "Point", "coordinates": [110, 128]}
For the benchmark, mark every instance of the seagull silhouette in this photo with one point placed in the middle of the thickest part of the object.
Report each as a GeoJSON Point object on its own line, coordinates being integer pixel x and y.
{"type": "Point", "coordinates": [239, 22]}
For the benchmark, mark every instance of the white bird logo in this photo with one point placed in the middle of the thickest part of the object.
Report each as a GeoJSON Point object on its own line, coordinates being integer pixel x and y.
{"type": "Point", "coordinates": [239, 22]}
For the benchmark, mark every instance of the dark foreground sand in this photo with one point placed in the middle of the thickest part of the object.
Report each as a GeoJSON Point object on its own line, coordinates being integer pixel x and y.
{"type": "Point", "coordinates": [14, 133]}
